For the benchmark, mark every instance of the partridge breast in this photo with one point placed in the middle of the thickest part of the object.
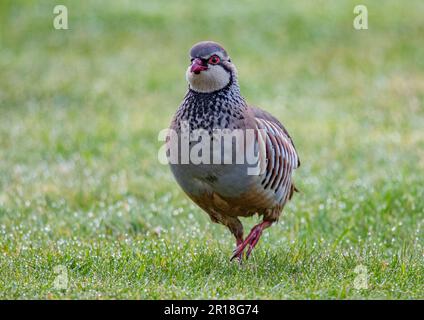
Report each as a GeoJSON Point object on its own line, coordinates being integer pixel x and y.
{"type": "Point", "coordinates": [230, 187]}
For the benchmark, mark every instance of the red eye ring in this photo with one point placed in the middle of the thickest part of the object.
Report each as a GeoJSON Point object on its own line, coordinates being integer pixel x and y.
{"type": "Point", "coordinates": [214, 59]}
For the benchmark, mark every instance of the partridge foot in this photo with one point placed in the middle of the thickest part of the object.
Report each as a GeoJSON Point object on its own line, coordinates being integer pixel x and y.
{"type": "Point", "coordinates": [251, 240]}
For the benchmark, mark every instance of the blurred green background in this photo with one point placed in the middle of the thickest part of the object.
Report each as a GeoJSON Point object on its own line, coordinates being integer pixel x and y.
{"type": "Point", "coordinates": [81, 187]}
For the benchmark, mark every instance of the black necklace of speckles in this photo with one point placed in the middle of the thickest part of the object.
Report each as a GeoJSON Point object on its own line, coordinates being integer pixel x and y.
{"type": "Point", "coordinates": [211, 110]}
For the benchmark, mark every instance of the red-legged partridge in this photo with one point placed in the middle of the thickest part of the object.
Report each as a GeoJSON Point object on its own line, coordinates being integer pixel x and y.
{"type": "Point", "coordinates": [226, 190]}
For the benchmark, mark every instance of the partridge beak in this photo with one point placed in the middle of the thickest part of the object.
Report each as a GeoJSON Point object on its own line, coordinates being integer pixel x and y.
{"type": "Point", "coordinates": [197, 66]}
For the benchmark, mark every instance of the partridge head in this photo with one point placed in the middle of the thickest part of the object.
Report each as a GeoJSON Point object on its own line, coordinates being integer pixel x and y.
{"type": "Point", "coordinates": [211, 68]}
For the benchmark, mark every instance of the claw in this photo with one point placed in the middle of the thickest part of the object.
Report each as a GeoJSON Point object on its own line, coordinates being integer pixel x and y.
{"type": "Point", "coordinates": [237, 253]}
{"type": "Point", "coordinates": [237, 256]}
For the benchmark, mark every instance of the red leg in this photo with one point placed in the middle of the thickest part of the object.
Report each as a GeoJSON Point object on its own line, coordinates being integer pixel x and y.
{"type": "Point", "coordinates": [251, 240]}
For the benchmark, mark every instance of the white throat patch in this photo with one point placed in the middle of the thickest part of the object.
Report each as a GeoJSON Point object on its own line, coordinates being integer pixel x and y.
{"type": "Point", "coordinates": [213, 79]}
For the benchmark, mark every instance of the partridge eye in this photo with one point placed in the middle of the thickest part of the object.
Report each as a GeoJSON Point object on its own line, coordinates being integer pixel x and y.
{"type": "Point", "coordinates": [214, 60]}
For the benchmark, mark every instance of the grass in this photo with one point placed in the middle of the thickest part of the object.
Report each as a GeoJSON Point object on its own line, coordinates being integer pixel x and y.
{"type": "Point", "coordinates": [81, 187]}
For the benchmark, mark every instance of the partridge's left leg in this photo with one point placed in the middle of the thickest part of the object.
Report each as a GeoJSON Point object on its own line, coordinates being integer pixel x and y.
{"type": "Point", "coordinates": [235, 227]}
{"type": "Point", "coordinates": [251, 240]}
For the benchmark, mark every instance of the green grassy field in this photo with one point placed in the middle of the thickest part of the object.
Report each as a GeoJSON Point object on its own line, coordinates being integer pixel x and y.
{"type": "Point", "coordinates": [81, 187]}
